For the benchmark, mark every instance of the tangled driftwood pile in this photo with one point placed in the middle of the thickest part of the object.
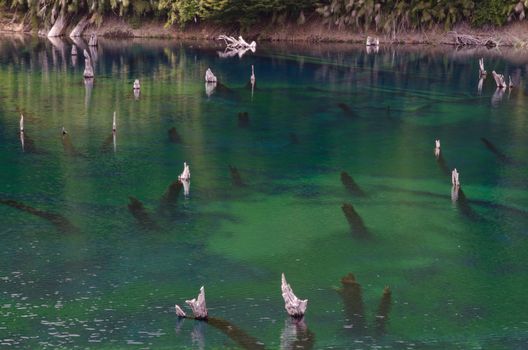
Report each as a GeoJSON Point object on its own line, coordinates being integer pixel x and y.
{"type": "Point", "coordinates": [471, 40]}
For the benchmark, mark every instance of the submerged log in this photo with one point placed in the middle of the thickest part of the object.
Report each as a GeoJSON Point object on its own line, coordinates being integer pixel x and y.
{"type": "Point", "coordinates": [107, 143]}
{"type": "Point", "coordinates": [79, 28]}
{"type": "Point", "coordinates": [441, 162]}
{"type": "Point", "coordinates": [243, 119]}
{"type": "Point", "coordinates": [294, 306]}
{"type": "Point", "coordinates": [68, 145]}
{"type": "Point", "coordinates": [235, 176]}
{"type": "Point", "coordinates": [59, 221]}
{"type": "Point", "coordinates": [354, 220]}
{"type": "Point", "coordinates": [238, 335]}
{"type": "Point", "coordinates": [174, 137]}
{"type": "Point", "coordinates": [198, 306]}
{"type": "Point", "coordinates": [352, 296]}
{"type": "Point", "coordinates": [382, 314]}
{"type": "Point", "coordinates": [347, 110]}
{"type": "Point", "coordinates": [137, 210]}
{"type": "Point", "coordinates": [491, 147]}
{"type": "Point", "coordinates": [350, 184]}
{"type": "Point", "coordinates": [172, 193]}
{"type": "Point", "coordinates": [88, 68]}
{"type": "Point", "coordinates": [59, 26]}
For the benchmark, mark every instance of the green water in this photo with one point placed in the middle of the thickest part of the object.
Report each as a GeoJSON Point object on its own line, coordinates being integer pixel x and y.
{"type": "Point", "coordinates": [457, 270]}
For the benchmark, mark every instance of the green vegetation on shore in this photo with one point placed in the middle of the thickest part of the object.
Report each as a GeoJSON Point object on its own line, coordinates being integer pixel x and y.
{"type": "Point", "coordinates": [389, 16]}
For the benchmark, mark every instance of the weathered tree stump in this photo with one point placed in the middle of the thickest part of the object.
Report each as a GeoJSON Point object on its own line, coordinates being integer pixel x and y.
{"type": "Point", "coordinates": [209, 76]}
{"type": "Point", "coordinates": [186, 173]}
{"type": "Point", "coordinates": [294, 306]}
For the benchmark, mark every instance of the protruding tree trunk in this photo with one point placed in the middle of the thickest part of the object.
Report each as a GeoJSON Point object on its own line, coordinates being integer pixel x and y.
{"type": "Point", "coordinates": [198, 306]}
{"type": "Point", "coordinates": [294, 306]}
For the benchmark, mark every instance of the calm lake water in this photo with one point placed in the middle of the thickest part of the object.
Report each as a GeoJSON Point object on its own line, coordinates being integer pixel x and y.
{"type": "Point", "coordinates": [83, 272]}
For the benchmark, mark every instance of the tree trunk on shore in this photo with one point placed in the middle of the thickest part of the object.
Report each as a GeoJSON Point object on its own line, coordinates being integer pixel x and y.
{"type": "Point", "coordinates": [79, 28]}
{"type": "Point", "coordinates": [59, 26]}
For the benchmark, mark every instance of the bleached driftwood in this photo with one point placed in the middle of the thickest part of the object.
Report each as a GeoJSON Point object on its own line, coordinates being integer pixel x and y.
{"type": "Point", "coordinates": [88, 68]}
{"type": "Point", "coordinates": [499, 80]}
{"type": "Point", "coordinates": [136, 86]}
{"type": "Point", "coordinates": [198, 306]}
{"type": "Point", "coordinates": [114, 124]}
{"type": "Point", "coordinates": [239, 43]}
{"type": "Point", "coordinates": [59, 26]}
{"type": "Point", "coordinates": [179, 311]}
{"type": "Point", "coordinates": [186, 174]}
{"type": "Point", "coordinates": [209, 76]}
{"type": "Point", "coordinates": [470, 40]}
{"type": "Point", "coordinates": [93, 40]}
{"type": "Point", "coordinates": [455, 178]}
{"type": "Point", "coordinates": [79, 28]}
{"type": "Point", "coordinates": [74, 50]}
{"type": "Point", "coordinates": [294, 306]}
{"type": "Point", "coordinates": [21, 123]}
{"type": "Point", "coordinates": [372, 41]}
{"type": "Point", "coordinates": [482, 71]}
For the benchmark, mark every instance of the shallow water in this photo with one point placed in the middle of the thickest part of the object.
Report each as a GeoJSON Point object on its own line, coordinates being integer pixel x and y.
{"type": "Point", "coordinates": [457, 270]}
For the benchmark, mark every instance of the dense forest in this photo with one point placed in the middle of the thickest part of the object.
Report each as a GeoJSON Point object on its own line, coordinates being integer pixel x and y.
{"type": "Point", "coordinates": [383, 15]}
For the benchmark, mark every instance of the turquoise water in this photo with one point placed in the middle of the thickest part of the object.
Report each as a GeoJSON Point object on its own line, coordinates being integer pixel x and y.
{"type": "Point", "coordinates": [98, 277]}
